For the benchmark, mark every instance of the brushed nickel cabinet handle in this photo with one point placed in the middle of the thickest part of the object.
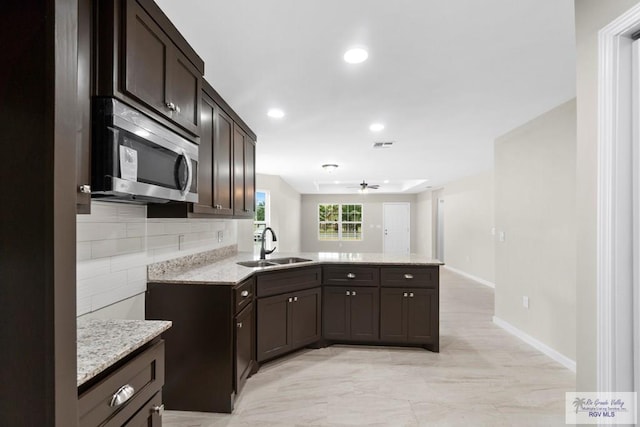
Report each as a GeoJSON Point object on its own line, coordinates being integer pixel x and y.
{"type": "Point", "coordinates": [239, 324]}
{"type": "Point", "coordinates": [408, 276]}
{"type": "Point", "coordinates": [158, 410]}
{"type": "Point", "coordinates": [85, 189]}
{"type": "Point", "coordinates": [348, 293]}
{"type": "Point", "coordinates": [353, 293]}
{"type": "Point", "coordinates": [123, 394]}
{"type": "Point", "coordinates": [290, 299]}
{"type": "Point", "coordinates": [244, 294]}
{"type": "Point", "coordinates": [410, 294]}
{"type": "Point", "coordinates": [295, 299]}
{"type": "Point", "coordinates": [171, 106]}
{"type": "Point", "coordinates": [351, 276]}
{"type": "Point", "coordinates": [405, 295]}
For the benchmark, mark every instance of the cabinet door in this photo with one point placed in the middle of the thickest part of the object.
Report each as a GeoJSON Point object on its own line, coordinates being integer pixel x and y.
{"type": "Point", "coordinates": [273, 326]}
{"type": "Point", "coordinates": [145, 60]}
{"type": "Point", "coordinates": [249, 176]}
{"type": "Point", "coordinates": [335, 313]}
{"type": "Point", "coordinates": [83, 136]}
{"type": "Point", "coordinates": [238, 172]}
{"type": "Point", "coordinates": [422, 316]}
{"type": "Point", "coordinates": [393, 314]}
{"type": "Point", "coordinates": [222, 163]}
{"type": "Point", "coordinates": [305, 318]}
{"type": "Point", "coordinates": [183, 91]}
{"type": "Point", "coordinates": [364, 314]}
{"type": "Point", "coordinates": [244, 346]}
{"type": "Point", "coordinates": [244, 174]}
{"type": "Point", "coordinates": [206, 181]}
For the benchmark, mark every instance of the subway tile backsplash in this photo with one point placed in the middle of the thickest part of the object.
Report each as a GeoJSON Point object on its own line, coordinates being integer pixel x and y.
{"type": "Point", "coordinates": [117, 242]}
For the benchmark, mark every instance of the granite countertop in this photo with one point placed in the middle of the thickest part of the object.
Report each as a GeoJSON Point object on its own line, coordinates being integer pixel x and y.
{"type": "Point", "coordinates": [101, 343]}
{"type": "Point", "coordinates": [228, 272]}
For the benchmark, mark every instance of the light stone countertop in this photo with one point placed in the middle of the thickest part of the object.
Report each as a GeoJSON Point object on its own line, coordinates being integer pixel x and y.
{"type": "Point", "coordinates": [101, 343]}
{"type": "Point", "coordinates": [228, 272]}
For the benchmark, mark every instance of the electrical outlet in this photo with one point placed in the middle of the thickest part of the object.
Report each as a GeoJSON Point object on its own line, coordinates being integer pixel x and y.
{"type": "Point", "coordinates": [502, 236]}
{"type": "Point", "coordinates": [220, 236]}
{"type": "Point", "coordinates": [525, 302]}
{"type": "Point", "coordinates": [180, 241]}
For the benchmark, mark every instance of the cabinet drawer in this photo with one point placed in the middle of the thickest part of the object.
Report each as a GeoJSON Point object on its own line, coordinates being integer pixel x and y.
{"type": "Point", "coordinates": [349, 275]}
{"type": "Point", "coordinates": [287, 281]}
{"type": "Point", "coordinates": [424, 277]}
{"type": "Point", "coordinates": [243, 294]}
{"type": "Point", "coordinates": [144, 373]}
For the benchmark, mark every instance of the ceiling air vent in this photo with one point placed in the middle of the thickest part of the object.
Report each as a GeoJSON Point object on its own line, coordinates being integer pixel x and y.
{"type": "Point", "coordinates": [383, 144]}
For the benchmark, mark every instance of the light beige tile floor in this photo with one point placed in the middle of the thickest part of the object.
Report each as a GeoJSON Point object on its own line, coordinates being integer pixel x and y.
{"type": "Point", "coordinates": [482, 376]}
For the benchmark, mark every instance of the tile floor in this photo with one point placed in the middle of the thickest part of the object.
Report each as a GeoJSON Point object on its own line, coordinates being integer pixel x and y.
{"type": "Point", "coordinates": [483, 376]}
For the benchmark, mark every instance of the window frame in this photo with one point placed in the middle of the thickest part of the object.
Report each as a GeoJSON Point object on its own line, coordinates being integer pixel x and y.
{"type": "Point", "coordinates": [340, 222]}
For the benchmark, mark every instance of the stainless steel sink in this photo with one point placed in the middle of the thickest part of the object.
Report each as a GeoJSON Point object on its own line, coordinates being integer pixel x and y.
{"type": "Point", "coordinates": [290, 260]}
{"type": "Point", "coordinates": [272, 262]}
{"type": "Point", "coordinates": [257, 263]}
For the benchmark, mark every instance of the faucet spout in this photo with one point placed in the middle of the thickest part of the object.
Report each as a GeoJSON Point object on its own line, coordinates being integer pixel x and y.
{"type": "Point", "coordinates": [264, 252]}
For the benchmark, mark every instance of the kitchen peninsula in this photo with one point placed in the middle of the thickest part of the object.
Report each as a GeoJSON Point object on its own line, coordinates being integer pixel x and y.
{"type": "Point", "coordinates": [229, 318]}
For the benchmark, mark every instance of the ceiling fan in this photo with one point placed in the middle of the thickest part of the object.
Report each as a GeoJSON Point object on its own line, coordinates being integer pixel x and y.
{"type": "Point", "coordinates": [364, 186]}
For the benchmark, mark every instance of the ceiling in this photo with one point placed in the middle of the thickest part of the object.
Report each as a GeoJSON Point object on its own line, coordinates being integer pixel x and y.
{"type": "Point", "coordinates": [445, 77]}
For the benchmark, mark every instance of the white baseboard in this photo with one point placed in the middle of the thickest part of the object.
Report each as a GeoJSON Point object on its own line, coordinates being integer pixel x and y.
{"type": "Point", "coordinates": [558, 357]}
{"type": "Point", "coordinates": [472, 277]}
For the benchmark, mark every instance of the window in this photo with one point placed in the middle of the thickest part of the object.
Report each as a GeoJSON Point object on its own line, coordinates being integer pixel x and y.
{"type": "Point", "coordinates": [261, 218]}
{"type": "Point", "coordinates": [340, 222]}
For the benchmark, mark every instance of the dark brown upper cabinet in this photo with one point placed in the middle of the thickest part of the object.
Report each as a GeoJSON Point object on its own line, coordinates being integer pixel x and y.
{"type": "Point", "coordinates": [144, 60]}
{"type": "Point", "coordinates": [84, 91]}
{"type": "Point", "coordinates": [244, 152]}
{"type": "Point", "coordinates": [218, 179]}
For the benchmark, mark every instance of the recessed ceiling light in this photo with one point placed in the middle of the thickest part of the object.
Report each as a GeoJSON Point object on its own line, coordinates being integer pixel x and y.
{"type": "Point", "coordinates": [336, 182]}
{"type": "Point", "coordinates": [275, 113]}
{"type": "Point", "coordinates": [356, 55]}
{"type": "Point", "coordinates": [386, 181]}
{"type": "Point", "coordinates": [376, 127]}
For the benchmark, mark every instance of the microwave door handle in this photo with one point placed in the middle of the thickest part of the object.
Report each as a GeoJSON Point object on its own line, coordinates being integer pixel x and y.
{"type": "Point", "coordinates": [186, 188]}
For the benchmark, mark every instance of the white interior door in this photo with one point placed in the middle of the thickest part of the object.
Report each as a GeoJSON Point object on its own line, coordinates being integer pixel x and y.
{"type": "Point", "coordinates": [397, 228]}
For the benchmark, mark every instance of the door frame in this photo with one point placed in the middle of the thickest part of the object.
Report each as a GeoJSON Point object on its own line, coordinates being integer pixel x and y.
{"type": "Point", "coordinates": [617, 210]}
{"type": "Point", "coordinates": [384, 226]}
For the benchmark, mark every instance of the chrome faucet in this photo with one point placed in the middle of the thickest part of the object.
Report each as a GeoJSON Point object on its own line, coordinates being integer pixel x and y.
{"type": "Point", "coordinates": [263, 251]}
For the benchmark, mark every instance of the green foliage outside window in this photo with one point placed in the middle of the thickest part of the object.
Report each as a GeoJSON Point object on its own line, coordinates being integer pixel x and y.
{"type": "Point", "coordinates": [340, 222]}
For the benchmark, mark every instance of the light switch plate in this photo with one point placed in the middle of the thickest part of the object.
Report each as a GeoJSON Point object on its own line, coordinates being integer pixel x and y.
{"type": "Point", "coordinates": [220, 236]}
{"type": "Point", "coordinates": [525, 302]}
{"type": "Point", "coordinates": [502, 236]}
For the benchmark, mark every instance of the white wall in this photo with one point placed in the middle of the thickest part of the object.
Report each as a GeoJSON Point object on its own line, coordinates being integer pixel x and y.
{"type": "Point", "coordinates": [535, 194]}
{"type": "Point", "coordinates": [424, 224]}
{"type": "Point", "coordinates": [117, 242]}
{"type": "Point", "coordinates": [591, 16]}
{"type": "Point", "coordinates": [372, 218]}
{"type": "Point", "coordinates": [285, 205]}
{"type": "Point", "coordinates": [468, 220]}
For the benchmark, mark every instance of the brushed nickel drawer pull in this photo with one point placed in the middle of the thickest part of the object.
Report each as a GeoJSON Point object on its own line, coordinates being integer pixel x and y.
{"type": "Point", "coordinates": [244, 294]}
{"type": "Point", "coordinates": [348, 293]}
{"type": "Point", "coordinates": [239, 325]}
{"type": "Point", "coordinates": [295, 299]}
{"type": "Point", "coordinates": [290, 299]}
{"type": "Point", "coordinates": [351, 276]}
{"type": "Point", "coordinates": [410, 294]}
{"type": "Point", "coordinates": [123, 394]}
{"type": "Point", "coordinates": [158, 410]}
{"type": "Point", "coordinates": [405, 295]}
{"type": "Point", "coordinates": [353, 293]}
{"type": "Point", "coordinates": [408, 276]}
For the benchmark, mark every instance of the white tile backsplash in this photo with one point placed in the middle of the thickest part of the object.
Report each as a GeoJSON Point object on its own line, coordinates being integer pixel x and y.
{"type": "Point", "coordinates": [117, 242]}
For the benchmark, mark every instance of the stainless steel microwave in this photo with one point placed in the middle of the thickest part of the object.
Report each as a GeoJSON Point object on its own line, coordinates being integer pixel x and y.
{"type": "Point", "coordinates": [138, 160]}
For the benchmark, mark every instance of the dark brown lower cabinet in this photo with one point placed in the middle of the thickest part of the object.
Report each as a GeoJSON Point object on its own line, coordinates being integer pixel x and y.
{"type": "Point", "coordinates": [409, 315]}
{"type": "Point", "coordinates": [287, 322]}
{"type": "Point", "coordinates": [244, 346]}
{"type": "Point", "coordinates": [144, 373]}
{"type": "Point", "coordinates": [350, 314]}
{"type": "Point", "coordinates": [208, 356]}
